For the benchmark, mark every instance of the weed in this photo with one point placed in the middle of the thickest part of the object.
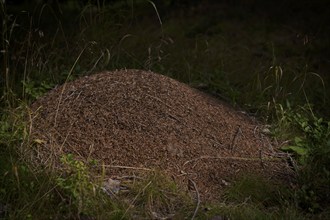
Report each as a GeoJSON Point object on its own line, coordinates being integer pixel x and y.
{"type": "Point", "coordinates": [310, 146]}
{"type": "Point", "coordinates": [35, 91]}
{"type": "Point", "coordinates": [76, 184]}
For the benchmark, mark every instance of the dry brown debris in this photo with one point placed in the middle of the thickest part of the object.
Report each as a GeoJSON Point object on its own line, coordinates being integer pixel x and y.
{"type": "Point", "coordinates": [139, 120]}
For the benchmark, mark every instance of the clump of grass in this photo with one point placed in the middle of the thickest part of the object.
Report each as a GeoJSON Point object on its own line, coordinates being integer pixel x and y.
{"type": "Point", "coordinates": [158, 197]}
{"type": "Point", "coordinates": [21, 188]}
{"type": "Point", "coordinates": [27, 194]}
{"type": "Point", "coordinates": [250, 211]}
{"type": "Point", "coordinates": [253, 197]}
{"type": "Point", "coordinates": [256, 190]}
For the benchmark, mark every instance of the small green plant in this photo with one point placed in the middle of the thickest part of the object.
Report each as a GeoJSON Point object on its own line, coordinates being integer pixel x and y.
{"type": "Point", "coordinates": [307, 130]}
{"type": "Point", "coordinates": [310, 146]}
{"type": "Point", "coordinates": [34, 90]}
{"type": "Point", "coordinates": [299, 148]}
{"type": "Point", "coordinates": [79, 190]}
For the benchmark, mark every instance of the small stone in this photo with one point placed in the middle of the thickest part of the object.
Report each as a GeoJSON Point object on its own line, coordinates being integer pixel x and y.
{"type": "Point", "coordinates": [111, 186]}
{"type": "Point", "coordinates": [224, 182]}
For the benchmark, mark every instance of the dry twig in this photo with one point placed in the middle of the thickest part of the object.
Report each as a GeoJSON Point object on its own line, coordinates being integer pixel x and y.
{"type": "Point", "coordinates": [232, 158]}
{"type": "Point", "coordinates": [237, 134]}
{"type": "Point", "coordinates": [198, 199]}
{"type": "Point", "coordinates": [127, 167]}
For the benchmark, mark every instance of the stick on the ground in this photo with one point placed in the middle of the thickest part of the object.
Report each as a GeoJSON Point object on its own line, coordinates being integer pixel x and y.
{"type": "Point", "coordinates": [127, 167]}
{"type": "Point", "coordinates": [233, 143]}
{"type": "Point", "coordinates": [232, 158]}
{"type": "Point", "coordinates": [198, 199]}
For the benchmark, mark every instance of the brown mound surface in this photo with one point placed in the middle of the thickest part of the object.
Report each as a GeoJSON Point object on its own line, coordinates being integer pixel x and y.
{"type": "Point", "coordinates": [138, 119]}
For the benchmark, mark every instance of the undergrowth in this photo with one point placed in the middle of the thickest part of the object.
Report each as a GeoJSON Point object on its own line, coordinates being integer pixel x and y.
{"type": "Point", "coordinates": [234, 57]}
{"type": "Point", "coordinates": [310, 145]}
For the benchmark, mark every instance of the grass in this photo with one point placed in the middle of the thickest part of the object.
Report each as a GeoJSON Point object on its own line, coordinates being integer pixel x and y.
{"type": "Point", "coordinates": [255, 56]}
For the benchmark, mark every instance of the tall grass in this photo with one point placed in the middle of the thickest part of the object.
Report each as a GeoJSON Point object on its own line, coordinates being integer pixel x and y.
{"type": "Point", "coordinates": [6, 32]}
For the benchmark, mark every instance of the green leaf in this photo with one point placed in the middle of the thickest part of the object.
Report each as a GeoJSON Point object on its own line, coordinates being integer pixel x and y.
{"type": "Point", "coordinates": [296, 149]}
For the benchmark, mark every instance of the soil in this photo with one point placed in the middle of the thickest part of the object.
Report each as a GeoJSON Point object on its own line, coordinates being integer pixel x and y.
{"type": "Point", "coordinates": [134, 120]}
